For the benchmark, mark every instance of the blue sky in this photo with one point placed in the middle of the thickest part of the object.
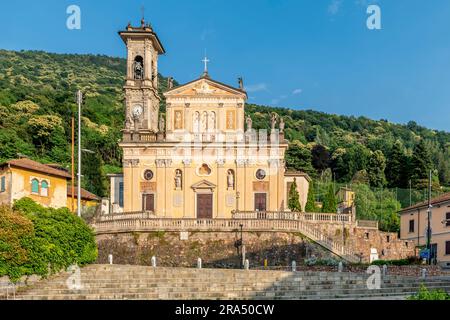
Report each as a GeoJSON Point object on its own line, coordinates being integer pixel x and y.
{"type": "Point", "coordinates": [303, 54]}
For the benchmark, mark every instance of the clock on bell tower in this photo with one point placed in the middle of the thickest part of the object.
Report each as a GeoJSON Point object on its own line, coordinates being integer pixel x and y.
{"type": "Point", "coordinates": [141, 86]}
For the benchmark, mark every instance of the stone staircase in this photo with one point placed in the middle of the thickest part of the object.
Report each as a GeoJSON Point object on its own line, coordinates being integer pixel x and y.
{"type": "Point", "coordinates": [140, 282]}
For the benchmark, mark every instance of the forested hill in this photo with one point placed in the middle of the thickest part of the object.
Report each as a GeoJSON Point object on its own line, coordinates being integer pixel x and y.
{"type": "Point", "coordinates": [37, 101]}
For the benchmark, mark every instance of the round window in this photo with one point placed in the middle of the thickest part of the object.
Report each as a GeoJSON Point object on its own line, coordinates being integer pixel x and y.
{"type": "Point", "coordinates": [148, 174]}
{"type": "Point", "coordinates": [260, 174]}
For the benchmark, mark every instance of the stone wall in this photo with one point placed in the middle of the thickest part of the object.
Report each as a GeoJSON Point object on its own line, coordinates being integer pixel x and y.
{"type": "Point", "coordinates": [362, 240]}
{"type": "Point", "coordinates": [215, 248]}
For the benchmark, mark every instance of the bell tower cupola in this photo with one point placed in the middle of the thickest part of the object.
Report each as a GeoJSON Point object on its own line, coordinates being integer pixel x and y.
{"type": "Point", "coordinates": [141, 86]}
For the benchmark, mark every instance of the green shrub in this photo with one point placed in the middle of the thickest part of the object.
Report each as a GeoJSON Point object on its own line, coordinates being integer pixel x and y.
{"type": "Point", "coordinates": [399, 262]}
{"type": "Point", "coordinates": [38, 240]}
{"type": "Point", "coordinates": [425, 294]}
{"type": "Point", "coordinates": [313, 261]}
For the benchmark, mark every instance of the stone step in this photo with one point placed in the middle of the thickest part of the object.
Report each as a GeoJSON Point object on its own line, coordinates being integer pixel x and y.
{"type": "Point", "coordinates": [140, 282]}
{"type": "Point", "coordinates": [251, 291]}
{"type": "Point", "coordinates": [175, 296]}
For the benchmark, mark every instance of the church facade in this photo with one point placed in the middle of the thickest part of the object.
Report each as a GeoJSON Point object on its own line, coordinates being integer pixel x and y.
{"type": "Point", "coordinates": [202, 158]}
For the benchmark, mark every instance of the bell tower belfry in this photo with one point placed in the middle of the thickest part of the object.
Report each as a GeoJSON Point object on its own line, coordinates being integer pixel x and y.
{"type": "Point", "coordinates": [141, 86]}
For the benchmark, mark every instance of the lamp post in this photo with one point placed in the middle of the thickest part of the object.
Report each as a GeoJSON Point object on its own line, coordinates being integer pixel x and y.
{"type": "Point", "coordinates": [429, 220]}
{"type": "Point", "coordinates": [239, 244]}
{"type": "Point", "coordinates": [79, 101]}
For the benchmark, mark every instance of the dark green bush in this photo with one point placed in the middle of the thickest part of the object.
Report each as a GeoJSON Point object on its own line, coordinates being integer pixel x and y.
{"type": "Point", "coordinates": [45, 240]}
{"type": "Point", "coordinates": [400, 262]}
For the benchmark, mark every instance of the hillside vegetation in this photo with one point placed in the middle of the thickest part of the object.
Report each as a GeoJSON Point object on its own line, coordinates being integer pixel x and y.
{"type": "Point", "coordinates": [37, 101]}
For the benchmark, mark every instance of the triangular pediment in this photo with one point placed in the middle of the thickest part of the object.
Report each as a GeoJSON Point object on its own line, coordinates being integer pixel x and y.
{"type": "Point", "coordinates": [205, 87]}
{"type": "Point", "coordinates": [204, 184]}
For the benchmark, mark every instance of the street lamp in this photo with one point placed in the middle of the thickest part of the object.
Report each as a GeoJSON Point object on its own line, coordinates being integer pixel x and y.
{"type": "Point", "coordinates": [239, 244]}
{"type": "Point", "coordinates": [80, 102]}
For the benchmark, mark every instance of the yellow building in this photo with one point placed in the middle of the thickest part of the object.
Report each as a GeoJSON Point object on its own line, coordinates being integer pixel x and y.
{"type": "Point", "coordinates": [203, 160]}
{"type": "Point", "coordinates": [88, 199]}
{"type": "Point", "coordinates": [414, 224]}
{"type": "Point", "coordinates": [346, 200]}
{"type": "Point", "coordinates": [27, 178]}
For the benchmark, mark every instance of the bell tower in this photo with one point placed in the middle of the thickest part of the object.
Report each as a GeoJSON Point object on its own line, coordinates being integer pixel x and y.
{"type": "Point", "coordinates": [141, 86]}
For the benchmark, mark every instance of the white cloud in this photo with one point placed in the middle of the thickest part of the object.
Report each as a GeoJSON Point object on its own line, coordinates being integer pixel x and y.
{"type": "Point", "coordinates": [206, 33]}
{"type": "Point", "coordinates": [297, 91]}
{"type": "Point", "coordinates": [334, 7]}
{"type": "Point", "coordinates": [256, 87]}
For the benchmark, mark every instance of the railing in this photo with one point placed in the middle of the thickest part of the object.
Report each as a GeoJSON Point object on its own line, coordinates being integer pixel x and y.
{"type": "Point", "coordinates": [370, 224]}
{"type": "Point", "coordinates": [127, 215]}
{"type": "Point", "coordinates": [280, 215]}
{"type": "Point", "coordinates": [307, 228]}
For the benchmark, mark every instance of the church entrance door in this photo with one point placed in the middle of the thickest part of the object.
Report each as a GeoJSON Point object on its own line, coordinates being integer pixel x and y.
{"type": "Point", "coordinates": [204, 206]}
{"type": "Point", "coordinates": [260, 202]}
{"type": "Point", "coordinates": [148, 202]}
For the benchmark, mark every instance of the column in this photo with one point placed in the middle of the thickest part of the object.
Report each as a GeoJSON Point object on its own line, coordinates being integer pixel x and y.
{"type": "Point", "coordinates": [281, 191]}
{"type": "Point", "coordinates": [188, 211]}
{"type": "Point", "coordinates": [187, 118]}
{"type": "Point", "coordinates": [127, 186]}
{"type": "Point", "coordinates": [240, 183]}
{"type": "Point", "coordinates": [222, 190]}
{"type": "Point", "coordinates": [161, 188]}
{"type": "Point", "coordinates": [170, 185]}
{"type": "Point", "coordinates": [273, 183]}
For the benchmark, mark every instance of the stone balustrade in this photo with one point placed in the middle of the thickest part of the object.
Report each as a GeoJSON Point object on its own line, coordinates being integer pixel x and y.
{"type": "Point", "coordinates": [367, 224]}
{"type": "Point", "coordinates": [285, 215]}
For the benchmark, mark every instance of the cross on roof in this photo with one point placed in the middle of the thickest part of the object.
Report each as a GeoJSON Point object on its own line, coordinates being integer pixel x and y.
{"type": "Point", "coordinates": [205, 61]}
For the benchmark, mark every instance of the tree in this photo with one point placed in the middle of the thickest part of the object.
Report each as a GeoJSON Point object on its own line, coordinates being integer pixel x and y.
{"type": "Point", "coordinates": [320, 157]}
{"type": "Point", "coordinates": [311, 202]}
{"type": "Point", "coordinates": [375, 170]}
{"type": "Point", "coordinates": [381, 206]}
{"type": "Point", "coordinates": [420, 166]}
{"type": "Point", "coordinates": [294, 201]}
{"type": "Point", "coordinates": [298, 157]}
{"type": "Point", "coordinates": [395, 168]}
{"type": "Point", "coordinates": [95, 176]}
{"type": "Point", "coordinates": [330, 203]}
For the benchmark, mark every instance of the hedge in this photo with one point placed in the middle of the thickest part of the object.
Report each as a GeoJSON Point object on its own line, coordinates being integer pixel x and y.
{"type": "Point", "coordinates": [39, 241]}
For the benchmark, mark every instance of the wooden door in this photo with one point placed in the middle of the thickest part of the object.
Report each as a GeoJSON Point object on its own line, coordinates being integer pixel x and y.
{"type": "Point", "coordinates": [148, 202]}
{"type": "Point", "coordinates": [260, 202]}
{"type": "Point", "coordinates": [204, 206]}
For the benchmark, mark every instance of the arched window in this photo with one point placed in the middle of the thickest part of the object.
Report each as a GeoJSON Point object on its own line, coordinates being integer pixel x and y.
{"type": "Point", "coordinates": [35, 186]}
{"type": "Point", "coordinates": [196, 122]}
{"type": "Point", "coordinates": [138, 68]}
{"type": "Point", "coordinates": [204, 125]}
{"type": "Point", "coordinates": [212, 121]}
{"type": "Point", "coordinates": [44, 188]}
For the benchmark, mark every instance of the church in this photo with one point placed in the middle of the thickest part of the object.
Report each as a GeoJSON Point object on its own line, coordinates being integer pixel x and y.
{"type": "Point", "coordinates": [202, 158]}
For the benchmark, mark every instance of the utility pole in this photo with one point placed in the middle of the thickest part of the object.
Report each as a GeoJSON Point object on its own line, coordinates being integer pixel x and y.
{"type": "Point", "coordinates": [429, 222]}
{"type": "Point", "coordinates": [410, 193]}
{"type": "Point", "coordinates": [79, 101]}
{"type": "Point", "coordinates": [73, 164]}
